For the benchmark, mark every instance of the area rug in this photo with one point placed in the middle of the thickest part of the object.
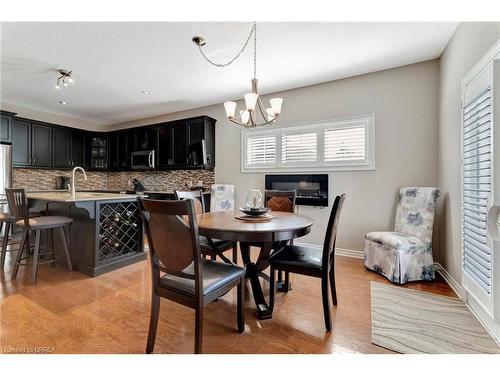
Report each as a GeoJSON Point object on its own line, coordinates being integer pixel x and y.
{"type": "Point", "coordinates": [410, 321]}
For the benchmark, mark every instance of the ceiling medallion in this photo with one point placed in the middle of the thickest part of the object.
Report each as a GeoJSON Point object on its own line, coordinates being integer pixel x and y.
{"type": "Point", "coordinates": [64, 79]}
{"type": "Point", "coordinates": [254, 106]}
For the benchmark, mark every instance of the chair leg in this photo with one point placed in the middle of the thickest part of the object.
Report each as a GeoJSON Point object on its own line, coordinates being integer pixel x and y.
{"type": "Point", "coordinates": [326, 303]}
{"type": "Point", "coordinates": [34, 268]}
{"type": "Point", "coordinates": [213, 257]}
{"type": "Point", "coordinates": [286, 287]}
{"type": "Point", "coordinates": [241, 308]}
{"type": "Point", "coordinates": [333, 290]}
{"type": "Point", "coordinates": [5, 241]}
{"type": "Point", "coordinates": [153, 323]}
{"type": "Point", "coordinates": [66, 249]}
{"type": "Point", "coordinates": [198, 329]}
{"type": "Point", "coordinates": [53, 264]}
{"type": "Point", "coordinates": [235, 253]}
{"type": "Point", "coordinates": [22, 245]}
{"type": "Point", "coordinates": [272, 288]}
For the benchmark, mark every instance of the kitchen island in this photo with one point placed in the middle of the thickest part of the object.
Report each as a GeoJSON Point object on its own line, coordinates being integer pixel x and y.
{"type": "Point", "coordinates": [107, 230]}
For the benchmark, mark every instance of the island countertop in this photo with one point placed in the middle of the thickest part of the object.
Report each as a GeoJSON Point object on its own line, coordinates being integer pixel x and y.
{"type": "Point", "coordinates": [64, 196]}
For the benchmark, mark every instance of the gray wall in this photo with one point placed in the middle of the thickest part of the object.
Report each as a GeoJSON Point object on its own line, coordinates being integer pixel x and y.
{"type": "Point", "coordinates": [404, 101]}
{"type": "Point", "coordinates": [469, 43]}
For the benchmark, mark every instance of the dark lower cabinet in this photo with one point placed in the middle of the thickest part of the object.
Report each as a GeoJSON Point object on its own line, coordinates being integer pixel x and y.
{"type": "Point", "coordinates": [41, 145]}
{"type": "Point", "coordinates": [62, 147]}
{"type": "Point", "coordinates": [21, 143]}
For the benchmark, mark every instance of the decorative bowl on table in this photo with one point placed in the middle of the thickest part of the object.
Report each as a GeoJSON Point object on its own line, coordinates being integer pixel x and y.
{"type": "Point", "coordinates": [255, 211]}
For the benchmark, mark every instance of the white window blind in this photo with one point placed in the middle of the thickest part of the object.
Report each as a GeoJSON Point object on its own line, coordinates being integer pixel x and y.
{"type": "Point", "coordinates": [335, 145]}
{"type": "Point", "coordinates": [345, 144]}
{"type": "Point", "coordinates": [477, 158]}
{"type": "Point", "coordinates": [299, 148]}
{"type": "Point", "coordinates": [261, 150]}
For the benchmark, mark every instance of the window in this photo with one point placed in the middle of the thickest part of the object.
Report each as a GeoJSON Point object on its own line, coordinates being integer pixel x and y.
{"type": "Point", "coordinates": [344, 144]}
{"type": "Point", "coordinates": [261, 150]}
{"type": "Point", "coordinates": [299, 148]}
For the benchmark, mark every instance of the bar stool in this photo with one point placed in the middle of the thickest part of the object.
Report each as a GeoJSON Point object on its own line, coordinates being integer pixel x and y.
{"type": "Point", "coordinates": [8, 220]}
{"type": "Point", "coordinates": [18, 205]}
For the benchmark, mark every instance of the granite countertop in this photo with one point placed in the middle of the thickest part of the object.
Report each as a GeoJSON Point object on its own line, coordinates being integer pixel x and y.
{"type": "Point", "coordinates": [64, 196]}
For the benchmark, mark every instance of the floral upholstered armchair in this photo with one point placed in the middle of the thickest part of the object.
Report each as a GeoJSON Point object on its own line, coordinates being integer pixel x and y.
{"type": "Point", "coordinates": [406, 253]}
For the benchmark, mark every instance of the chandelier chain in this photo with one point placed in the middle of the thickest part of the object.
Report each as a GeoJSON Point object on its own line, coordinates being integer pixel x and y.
{"type": "Point", "coordinates": [255, 50]}
{"type": "Point", "coordinates": [222, 65]}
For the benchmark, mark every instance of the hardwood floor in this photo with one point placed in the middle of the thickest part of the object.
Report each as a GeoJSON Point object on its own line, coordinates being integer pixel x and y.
{"type": "Point", "coordinates": [68, 312]}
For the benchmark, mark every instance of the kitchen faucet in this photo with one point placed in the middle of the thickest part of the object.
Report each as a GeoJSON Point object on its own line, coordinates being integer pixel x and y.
{"type": "Point", "coordinates": [73, 183]}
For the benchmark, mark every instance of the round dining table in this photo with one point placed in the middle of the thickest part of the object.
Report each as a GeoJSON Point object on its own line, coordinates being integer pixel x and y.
{"type": "Point", "coordinates": [269, 237]}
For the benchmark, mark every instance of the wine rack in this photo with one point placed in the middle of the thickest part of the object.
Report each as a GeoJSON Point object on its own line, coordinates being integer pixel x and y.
{"type": "Point", "coordinates": [120, 230]}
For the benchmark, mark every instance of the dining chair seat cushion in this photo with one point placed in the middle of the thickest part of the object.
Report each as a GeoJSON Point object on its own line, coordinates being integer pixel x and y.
{"type": "Point", "coordinates": [215, 275]}
{"type": "Point", "coordinates": [297, 256]}
{"type": "Point", "coordinates": [5, 217]}
{"type": "Point", "coordinates": [45, 222]}
{"type": "Point", "coordinates": [221, 244]}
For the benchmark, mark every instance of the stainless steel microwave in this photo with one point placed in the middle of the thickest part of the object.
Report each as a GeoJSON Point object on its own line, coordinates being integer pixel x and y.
{"type": "Point", "coordinates": [143, 159]}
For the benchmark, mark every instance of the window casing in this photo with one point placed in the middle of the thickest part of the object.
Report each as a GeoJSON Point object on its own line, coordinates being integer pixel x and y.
{"type": "Point", "coordinates": [337, 145]}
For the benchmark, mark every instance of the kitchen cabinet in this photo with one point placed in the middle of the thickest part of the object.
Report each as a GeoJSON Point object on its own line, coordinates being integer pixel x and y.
{"type": "Point", "coordinates": [179, 144]}
{"type": "Point", "coordinates": [21, 143]}
{"type": "Point", "coordinates": [77, 148]}
{"type": "Point", "coordinates": [141, 139]}
{"type": "Point", "coordinates": [123, 158]}
{"type": "Point", "coordinates": [61, 138]}
{"type": "Point", "coordinates": [6, 127]}
{"type": "Point", "coordinates": [164, 147]}
{"type": "Point", "coordinates": [41, 145]}
{"type": "Point", "coordinates": [202, 129]}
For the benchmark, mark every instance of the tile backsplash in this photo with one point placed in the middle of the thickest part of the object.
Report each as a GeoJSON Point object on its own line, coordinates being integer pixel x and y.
{"type": "Point", "coordinates": [40, 179]}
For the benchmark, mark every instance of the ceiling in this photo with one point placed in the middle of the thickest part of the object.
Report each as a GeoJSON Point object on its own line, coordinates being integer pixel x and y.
{"type": "Point", "coordinates": [113, 63]}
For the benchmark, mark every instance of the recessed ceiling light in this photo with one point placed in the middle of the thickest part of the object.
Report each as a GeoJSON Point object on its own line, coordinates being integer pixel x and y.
{"type": "Point", "coordinates": [146, 93]}
{"type": "Point", "coordinates": [62, 102]}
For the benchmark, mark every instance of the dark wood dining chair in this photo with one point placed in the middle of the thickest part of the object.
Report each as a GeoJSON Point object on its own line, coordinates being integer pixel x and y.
{"type": "Point", "coordinates": [178, 272]}
{"type": "Point", "coordinates": [284, 201]}
{"type": "Point", "coordinates": [313, 262]}
{"type": "Point", "coordinates": [18, 206]}
{"type": "Point", "coordinates": [209, 246]}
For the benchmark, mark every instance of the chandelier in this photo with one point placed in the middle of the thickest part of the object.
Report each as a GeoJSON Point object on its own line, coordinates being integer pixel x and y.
{"type": "Point", "coordinates": [248, 117]}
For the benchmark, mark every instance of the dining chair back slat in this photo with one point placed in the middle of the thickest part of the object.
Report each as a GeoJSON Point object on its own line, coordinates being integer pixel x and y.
{"type": "Point", "coordinates": [196, 196]}
{"type": "Point", "coordinates": [18, 204]}
{"type": "Point", "coordinates": [331, 230]}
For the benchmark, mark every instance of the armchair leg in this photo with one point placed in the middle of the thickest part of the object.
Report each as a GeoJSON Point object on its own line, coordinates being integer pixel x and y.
{"type": "Point", "coordinates": [326, 303]}
{"type": "Point", "coordinates": [153, 323]}
{"type": "Point", "coordinates": [198, 330]}
{"type": "Point", "coordinates": [241, 308]}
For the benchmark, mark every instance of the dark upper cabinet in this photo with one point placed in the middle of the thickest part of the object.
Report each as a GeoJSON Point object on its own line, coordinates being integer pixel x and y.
{"type": "Point", "coordinates": [41, 145]}
{"type": "Point", "coordinates": [21, 143]}
{"type": "Point", "coordinates": [96, 151]}
{"type": "Point", "coordinates": [179, 144]}
{"type": "Point", "coordinates": [5, 128]}
{"type": "Point", "coordinates": [61, 138]}
{"type": "Point", "coordinates": [77, 148]}
{"type": "Point", "coordinates": [123, 150]}
{"type": "Point", "coordinates": [164, 147]}
{"type": "Point", "coordinates": [201, 129]}
{"type": "Point", "coordinates": [141, 139]}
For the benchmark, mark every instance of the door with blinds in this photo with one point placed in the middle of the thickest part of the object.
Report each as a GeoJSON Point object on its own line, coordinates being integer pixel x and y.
{"type": "Point", "coordinates": [480, 221]}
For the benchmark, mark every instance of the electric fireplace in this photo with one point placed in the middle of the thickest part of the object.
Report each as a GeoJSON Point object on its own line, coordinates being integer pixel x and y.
{"type": "Point", "coordinates": [312, 189]}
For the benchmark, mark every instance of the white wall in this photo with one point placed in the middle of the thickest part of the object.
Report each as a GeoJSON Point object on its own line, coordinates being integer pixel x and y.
{"type": "Point", "coordinates": [469, 43]}
{"type": "Point", "coordinates": [404, 101]}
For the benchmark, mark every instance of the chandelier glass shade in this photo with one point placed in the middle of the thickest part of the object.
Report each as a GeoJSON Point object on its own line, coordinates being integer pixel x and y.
{"type": "Point", "coordinates": [255, 112]}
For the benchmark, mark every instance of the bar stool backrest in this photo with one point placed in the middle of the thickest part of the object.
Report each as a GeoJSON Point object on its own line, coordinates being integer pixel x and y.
{"type": "Point", "coordinates": [18, 204]}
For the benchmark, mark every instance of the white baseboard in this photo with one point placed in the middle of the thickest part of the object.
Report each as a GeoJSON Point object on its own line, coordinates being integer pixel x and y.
{"type": "Point", "coordinates": [454, 285]}
{"type": "Point", "coordinates": [358, 254]}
